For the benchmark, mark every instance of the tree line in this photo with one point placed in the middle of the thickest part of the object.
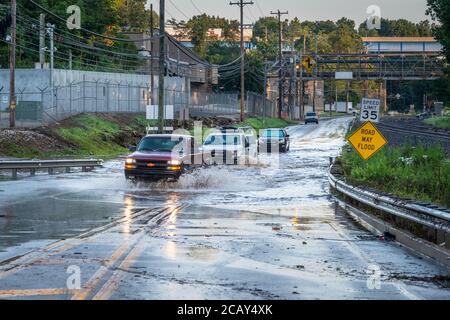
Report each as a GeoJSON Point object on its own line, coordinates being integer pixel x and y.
{"type": "Point", "coordinates": [112, 17]}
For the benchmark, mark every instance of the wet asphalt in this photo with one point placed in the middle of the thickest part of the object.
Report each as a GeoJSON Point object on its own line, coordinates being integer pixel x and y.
{"type": "Point", "coordinates": [270, 231]}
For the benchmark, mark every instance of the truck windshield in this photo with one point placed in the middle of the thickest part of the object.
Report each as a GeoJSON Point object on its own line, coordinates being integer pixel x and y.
{"type": "Point", "coordinates": [217, 140]}
{"type": "Point", "coordinates": [155, 144]}
{"type": "Point", "coordinates": [311, 114]}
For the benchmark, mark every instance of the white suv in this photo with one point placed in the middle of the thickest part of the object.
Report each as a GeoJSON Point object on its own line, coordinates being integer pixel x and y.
{"type": "Point", "coordinates": [226, 148]}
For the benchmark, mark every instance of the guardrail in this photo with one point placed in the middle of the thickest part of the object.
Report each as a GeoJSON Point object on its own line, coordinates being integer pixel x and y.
{"type": "Point", "coordinates": [433, 221]}
{"type": "Point", "coordinates": [50, 165]}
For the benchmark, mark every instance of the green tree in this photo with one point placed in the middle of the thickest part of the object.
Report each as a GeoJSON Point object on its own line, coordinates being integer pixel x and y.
{"type": "Point", "coordinates": [439, 10]}
{"type": "Point", "coordinates": [345, 38]}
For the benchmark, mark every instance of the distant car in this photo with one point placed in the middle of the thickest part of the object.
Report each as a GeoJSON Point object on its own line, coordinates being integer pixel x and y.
{"type": "Point", "coordinates": [311, 117]}
{"type": "Point", "coordinates": [423, 115]}
{"type": "Point", "coordinates": [274, 138]}
{"type": "Point", "coordinates": [225, 147]}
{"type": "Point", "coordinates": [161, 156]}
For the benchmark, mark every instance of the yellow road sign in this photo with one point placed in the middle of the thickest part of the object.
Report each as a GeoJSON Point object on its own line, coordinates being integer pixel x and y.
{"type": "Point", "coordinates": [308, 63]}
{"type": "Point", "coordinates": [367, 140]}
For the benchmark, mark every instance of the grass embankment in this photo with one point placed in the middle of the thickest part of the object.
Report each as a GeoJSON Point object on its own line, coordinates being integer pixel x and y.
{"type": "Point", "coordinates": [410, 172]}
{"type": "Point", "coordinates": [326, 114]}
{"type": "Point", "coordinates": [264, 123]}
{"type": "Point", "coordinates": [443, 123]}
{"type": "Point", "coordinates": [92, 136]}
{"type": "Point", "coordinates": [98, 135]}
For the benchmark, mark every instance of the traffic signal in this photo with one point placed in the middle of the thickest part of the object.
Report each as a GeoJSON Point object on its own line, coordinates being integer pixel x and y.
{"type": "Point", "coordinates": [5, 23]}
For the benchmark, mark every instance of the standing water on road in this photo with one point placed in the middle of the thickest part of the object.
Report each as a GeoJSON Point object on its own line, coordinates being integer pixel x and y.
{"type": "Point", "coordinates": [228, 227]}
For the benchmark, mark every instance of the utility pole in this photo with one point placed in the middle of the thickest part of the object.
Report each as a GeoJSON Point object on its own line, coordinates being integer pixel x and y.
{"type": "Point", "coordinates": [265, 90]}
{"type": "Point", "coordinates": [302, 89]}
{"type": "Point", "coordinates": [315, 76]}
{"type": "Point", "coordinates": [162, 62]}
{"type": "Point", "coordinates": [337, 97]}
{"type": "Point", "coordinates": [294, 75]}
{"type": "Point", "coordinates": [331, 97]}
{"type": "Point", "coordinates": [242, 4]}
{"type": "Point", "coordinates": [12, 67]}
{"type": "Point", "coordinates": [347, 97]}
{"type": "Point", "coordinates": [152, 76]}
{"type": "Point", "coordinates": [50, 31]}
{"type": "Point", "coordinates": [42, 40]}
{"type": "Point", "coordinates": [280, 58]}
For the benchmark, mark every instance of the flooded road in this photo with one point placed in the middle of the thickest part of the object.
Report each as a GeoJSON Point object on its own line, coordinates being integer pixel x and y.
{"type": "Point", "coordinates": [271, 231]}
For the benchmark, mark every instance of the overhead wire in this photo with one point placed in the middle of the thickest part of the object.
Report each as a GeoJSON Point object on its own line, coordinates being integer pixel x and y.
{"type": "Point", "coordinates": [196, 7]}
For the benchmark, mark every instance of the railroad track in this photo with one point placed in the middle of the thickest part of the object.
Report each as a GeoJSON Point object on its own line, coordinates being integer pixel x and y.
{"type": "Point", "coordinates": [413, 130]}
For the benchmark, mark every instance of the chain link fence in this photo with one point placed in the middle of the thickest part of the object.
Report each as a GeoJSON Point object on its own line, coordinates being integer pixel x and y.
{"type": "Point", "coordinates": [47, 106]}
{"type": "Point", "coordinates": [214, 104]}
{"type": "Point", "coordinates": [258, 106]}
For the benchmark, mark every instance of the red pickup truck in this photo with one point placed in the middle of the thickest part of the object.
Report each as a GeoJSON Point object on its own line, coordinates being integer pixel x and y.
{"type": "Point", "coordinates": [160, 156]}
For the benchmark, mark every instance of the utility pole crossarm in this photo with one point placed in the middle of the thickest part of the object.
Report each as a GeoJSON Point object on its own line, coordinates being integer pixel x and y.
{"type": "Point", "coordinates": [241, 3]}
{"type": "Point", "coordinates": [280, 13]}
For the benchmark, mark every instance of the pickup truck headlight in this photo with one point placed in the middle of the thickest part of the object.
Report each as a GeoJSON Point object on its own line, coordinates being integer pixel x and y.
{"type": "Point", "coordinates": [130, 161]}
{"type": "Point", "coordinates": [174, 162]}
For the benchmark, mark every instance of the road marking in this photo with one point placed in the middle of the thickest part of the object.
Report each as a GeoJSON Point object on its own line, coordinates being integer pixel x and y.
{"type": "Point", "coordinates": [112, 284]}
{"type": "Point", "coordinates": [106, 291]}
{"type": "Point", "coordinates": [60, 246]}
{"type": "Point", "coordinates": [357, 251]}
{"type": "Point", "coordinates": [98, 276]}
{"type": "Point", "coordinates": [64, 245]}
{"type": "Point", "coordinates": [32, 292]}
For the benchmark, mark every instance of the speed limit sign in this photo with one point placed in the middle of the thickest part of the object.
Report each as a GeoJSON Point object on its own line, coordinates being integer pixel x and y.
{"type": "Point", "coordinates": [370, 110]}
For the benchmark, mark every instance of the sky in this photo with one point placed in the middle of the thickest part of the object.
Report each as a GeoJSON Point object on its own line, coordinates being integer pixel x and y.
{"type": "Point", "coordinates": [413, 10]}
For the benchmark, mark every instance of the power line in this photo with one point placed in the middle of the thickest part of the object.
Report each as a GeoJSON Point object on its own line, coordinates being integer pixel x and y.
{"type": "Point", "coordinates": [75, 42]}
{"type": "Point", "coordinates": [251, 13]}
{"type": "Point", "coordinates": [195, 6]}
{"type": "Point", "coordinates": [71, 41]}
{"type": "Point", "coordinates": [68, 35]}
{"type": "Point", "coordinates": [259, 7]}
{"type": "Point", "coordinates": [175, 6]}
{"type": "Point", "coordinates": [83, 29]}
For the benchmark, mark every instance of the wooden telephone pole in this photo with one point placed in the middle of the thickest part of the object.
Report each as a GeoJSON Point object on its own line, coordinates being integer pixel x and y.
{"type": "Point", "coordinates": [152, 56]}
{"type": "Point", "coordinates": [12, 67]}
{"type": "Point", "coordinates": [242, 4]}
{"type": "Point", "coordinates": [162, 64]}
{"type": "Point", "coordinates": [280, 58]}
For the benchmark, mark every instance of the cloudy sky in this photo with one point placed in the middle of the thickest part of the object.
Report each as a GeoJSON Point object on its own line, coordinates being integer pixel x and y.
{"type": "Point", "coordinates": [413, 10]}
